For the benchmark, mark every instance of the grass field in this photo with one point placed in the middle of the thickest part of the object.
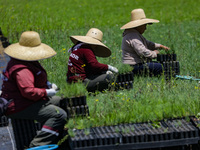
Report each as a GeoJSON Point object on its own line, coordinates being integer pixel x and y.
{"type": "Point", "coordinates": [151, 98]}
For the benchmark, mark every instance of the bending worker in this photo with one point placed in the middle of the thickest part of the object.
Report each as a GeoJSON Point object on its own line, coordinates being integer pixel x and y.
{"type": "Point", "coordinates": [25, 84]}
{"type": "Point", "coordinates": [136, 50]}
{"type": "Point", "coordinates": [83, 65]}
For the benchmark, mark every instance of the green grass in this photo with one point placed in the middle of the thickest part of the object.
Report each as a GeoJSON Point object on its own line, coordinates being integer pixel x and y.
{"type": "Point", "coordinates": [151, 98]}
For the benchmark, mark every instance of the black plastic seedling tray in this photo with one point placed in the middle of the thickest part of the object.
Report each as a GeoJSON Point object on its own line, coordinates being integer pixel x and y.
{"type": "Point", "coordinates": [75, 106]}
{"type": "Point", "coordinates": [24, 132]}
{"type": "Point", "coordinates": [166, 57]}
{"type": "Point", "coordinates": [124, 81]}
{"type": "Point", "coordinates": [175, 132]}
{"type": "Point", "coordinates": [73, 101]}
{"type": "Point", "coordinates": [78, 111]}
{"type": "Point", "coordinates": [125, 77]}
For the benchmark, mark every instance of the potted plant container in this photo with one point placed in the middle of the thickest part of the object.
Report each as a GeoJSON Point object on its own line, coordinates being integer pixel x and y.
{"type": "Point", "coordinates": [171, 69]}
{"type": "Point", "coordinates": [124, 78]}
{"type": "Point", "coordinates": [24, 132]}
{"type": "Point", "coordinates": [196, 121]}
{"type": "Point", "coordinates": [77, 111]}
{"type": "Point", "coordinates": [74, 102]}
{"type": "Point", "coordinates": [166, 57]}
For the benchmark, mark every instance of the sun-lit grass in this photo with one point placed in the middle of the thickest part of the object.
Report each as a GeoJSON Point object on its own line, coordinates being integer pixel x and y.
{"type": "Point", "coordinates": [150, 98]}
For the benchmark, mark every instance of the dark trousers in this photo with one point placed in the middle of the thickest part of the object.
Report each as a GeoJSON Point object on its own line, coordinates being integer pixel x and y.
{"type": "Point", "coordinates": [52, 118]}
{"type": "Point", "coordinates": [98, 82]}
{"type": "Point", "coordinates": [148, 69]}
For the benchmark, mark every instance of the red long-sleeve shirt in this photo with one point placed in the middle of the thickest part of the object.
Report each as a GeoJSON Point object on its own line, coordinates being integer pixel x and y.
{"type": "Point", "coordinates": [25, 83]}
{"type": "Point", "coordinates": [83, 63]}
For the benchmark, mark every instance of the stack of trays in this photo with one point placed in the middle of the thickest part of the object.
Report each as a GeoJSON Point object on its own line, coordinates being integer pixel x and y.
{"type": "Point", "coordinates": [170, 65]}
{"type": "Point", "coordinates": [75, 106]}
{"type": "Point", "coordinates": [124, 81]}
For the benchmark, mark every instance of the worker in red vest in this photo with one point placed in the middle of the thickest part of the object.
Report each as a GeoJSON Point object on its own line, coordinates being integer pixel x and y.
{"type": "Point", "coordinates": [32, 96]}
{"type": "Point", "coordinates": [83, 65]}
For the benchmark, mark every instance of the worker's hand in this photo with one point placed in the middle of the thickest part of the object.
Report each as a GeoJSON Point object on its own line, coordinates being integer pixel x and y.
{"type": "Point", "coordinates": [52, 85]}
{"type": "Point", "coordinates": [113, 69]}
{"type": "Point", "coordinates": [109, 72]}
{"type": "Point", "coordinates": [157, 51]}
{"type": "Point", "coordinates": [55, 87]}
{"type": "Point", "coordinates": [164, 47]}
{"type": "Point", "coordinates": [51, 92]}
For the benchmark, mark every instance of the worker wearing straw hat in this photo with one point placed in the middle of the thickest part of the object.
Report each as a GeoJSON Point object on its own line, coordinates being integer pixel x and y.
{"type": "Point", "coordinates": [136, 50]}
{"type": "Point", "coordinates": [83, 65]}
{"type": "Point", "coordinates": [25, 84]}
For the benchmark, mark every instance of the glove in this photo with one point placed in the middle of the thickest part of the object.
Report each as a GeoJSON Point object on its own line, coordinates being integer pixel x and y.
{"type": "Point", "coordinates": [51, 92]}
{"type": "Point", "coordinates": [113, 69]}
{"type": "Point", "coordinates": [109, 72]}
{"type": "Point", "coordinates": [54, 86]}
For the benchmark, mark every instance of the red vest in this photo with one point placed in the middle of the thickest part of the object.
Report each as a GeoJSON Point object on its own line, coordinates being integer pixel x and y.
{"type": "Point", "coordinates": [10, 89]}
{"type": "Point", "coordinates": [83, 63]}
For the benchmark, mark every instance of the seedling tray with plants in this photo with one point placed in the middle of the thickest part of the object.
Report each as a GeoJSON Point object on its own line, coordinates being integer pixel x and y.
{"type": "Point", "coordinates": [195, 121]}
{"type": "Point", "coordinates": [171, 69]}
{"type": "Point", "coordinates": [170, 64]}
{"type": "Point", "coordinates": [165, 133]}
{"type": "Point", "coordinates": [77, 111]}
{"type": "Point", "coordinates": [74, 101]}
{"type": "Point", "coordinates": [166, 57]}
{"type": "Point", "coordinates": [124, 79]}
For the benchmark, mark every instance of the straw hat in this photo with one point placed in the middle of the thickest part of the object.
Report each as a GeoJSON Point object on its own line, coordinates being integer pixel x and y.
{"type": "Point", "coordinates": [138, 18]}
{"type": "Point", "coordinates": [29, 48]}
{"type": "Point", "coordinates": [93, 37]}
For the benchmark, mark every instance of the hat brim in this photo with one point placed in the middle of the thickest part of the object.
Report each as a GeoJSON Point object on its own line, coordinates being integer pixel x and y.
{"type": "Point", "coordinates": [20, 52]}
{"type": "Point", "coordinates": [100, 50]}
{"type": "Point", "coordinates": [136, 23]}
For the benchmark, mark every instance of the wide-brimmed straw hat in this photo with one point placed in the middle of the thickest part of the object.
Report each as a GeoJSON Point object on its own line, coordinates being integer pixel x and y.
{"type": "Point", "coordinates": [138, 18]}
{"type": "Point", "coordinates": [29, 48]}
{"type": "Point", "coordinates": [93, 37]}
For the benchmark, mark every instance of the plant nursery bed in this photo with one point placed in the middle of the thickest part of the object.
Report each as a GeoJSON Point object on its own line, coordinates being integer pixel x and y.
{"type": "Point", "coordinates": [167, 133]}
